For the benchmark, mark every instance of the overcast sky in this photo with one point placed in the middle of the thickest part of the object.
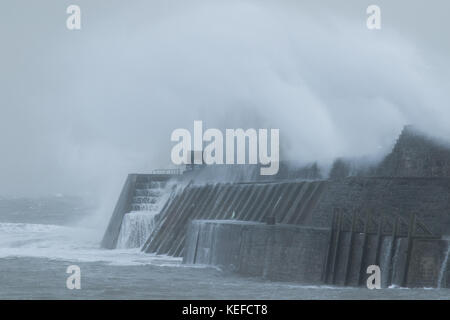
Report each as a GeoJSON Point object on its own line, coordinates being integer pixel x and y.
{"type": "Point", "coordinates": [81, 109]}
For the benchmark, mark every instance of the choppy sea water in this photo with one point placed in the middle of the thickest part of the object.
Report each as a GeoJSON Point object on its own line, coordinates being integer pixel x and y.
{"type": "Point", "coordinates": [40, 238]}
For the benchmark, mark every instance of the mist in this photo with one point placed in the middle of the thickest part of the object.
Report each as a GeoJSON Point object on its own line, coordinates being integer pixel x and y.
{"type": "Point", "coordinates": [81, 109]}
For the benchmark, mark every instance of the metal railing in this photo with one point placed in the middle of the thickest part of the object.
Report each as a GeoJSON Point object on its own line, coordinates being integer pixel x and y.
{"type": "Point", "coordinates": [167, 171]}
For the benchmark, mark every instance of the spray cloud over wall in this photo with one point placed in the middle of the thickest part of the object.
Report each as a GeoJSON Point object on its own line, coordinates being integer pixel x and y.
{"type": "Point", "coordinates": [103, 102]}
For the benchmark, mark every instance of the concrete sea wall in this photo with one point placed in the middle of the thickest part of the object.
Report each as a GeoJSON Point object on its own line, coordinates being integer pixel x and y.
{"type": "Point", "coordinates": [309, 203]}
{"type": "Point", "coordinates": [302, 210]}
{"type": "Point", "coordinates": [275, 252]}
{"type": "Point", "coordinates": [428, 198]}
{"type": "Point", "coordinates": [288, 202]}
{"type": "Point", "coordinates": [307, 241]}
{"type": "Point", "coordinates": [308, 254]}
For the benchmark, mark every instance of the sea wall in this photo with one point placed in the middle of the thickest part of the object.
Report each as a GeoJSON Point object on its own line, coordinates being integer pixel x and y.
{"type": "Point", "coordinates": [411, 184]}
{"type": "Point", "coordinates": [275, 252]}
{"type": "Point", "coordinates": [309, 203]}
{"type": "Point", "coordinates": [429, 264]}
{"type": "Point", "coordinates": [428, 198]}
{"type": "Point", "coordinates": [288, 202]}
{"type": "Point", "coordinates": [311, 255]}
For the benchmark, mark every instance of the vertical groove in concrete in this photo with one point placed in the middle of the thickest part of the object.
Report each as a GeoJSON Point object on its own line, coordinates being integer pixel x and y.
{"type": "Point", "coordinates": [224, 196]}
{"type": "Point", "coordinates": [226, 209]}
{"type": "Point", "coordinates": [166, 228]}
{"type": "Point", "coordinates": [260, 196]}
{"type": "Point", "coordinates": [289, 199]}
{"type": "Point", "coordinates": [309, 202]}
{"type": "Point", "coordinates": [260, 203]}
{"type": "Point", "coordinates": [272, 203]}
{"type": "Point", "coordinates": [178, 226]}
{"type": "Point", "coordinates": [247, 202]}
{"type": "Point", "coordinates": [306, 192]}
{"type": "Point", "coordinates": [200, 213]}
{"type": "Point", "coordinates": [202, 202]}
{"type": "Point", "coordinates": [298, 200]}
{"type": "Point", "coordinates": [152, 243]}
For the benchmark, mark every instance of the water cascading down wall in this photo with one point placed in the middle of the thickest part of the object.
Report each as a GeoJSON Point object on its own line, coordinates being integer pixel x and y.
{"type": "Point", "coordinates": [137, 210]}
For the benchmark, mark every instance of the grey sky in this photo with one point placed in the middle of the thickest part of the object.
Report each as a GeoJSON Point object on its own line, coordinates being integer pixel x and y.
{"type": "Point", "coordinates": [80, 109]}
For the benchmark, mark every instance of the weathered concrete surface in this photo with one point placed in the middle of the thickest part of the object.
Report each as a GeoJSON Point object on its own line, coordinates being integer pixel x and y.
{"type": "Point", "coordinates": [428, 265]}
{"type": "Point", "coordinates": [302, 203]}
{"type": "Point", "coordinates": [303, 254]}
{"type": "Point", "coordinates": [288, 202]}
{"type": "Point", "coordinates": [426, 268]}
{"type": "Point", "coordinates": [428, 198]}
{"type": "Point", "coordinates": [275, 252]}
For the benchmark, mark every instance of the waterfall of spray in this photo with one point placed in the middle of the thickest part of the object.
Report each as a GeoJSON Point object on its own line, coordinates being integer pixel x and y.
{"type": "Point", "coordinates": [443, 271]}
{"type": "Point", "coordinates": [388, 260]}
{"type": "Point", "coordinates": [136, 228]}
{"type": "Point", "coordinates": [395, 256]}
{"type": "Point", "coordinates": [138, 224]}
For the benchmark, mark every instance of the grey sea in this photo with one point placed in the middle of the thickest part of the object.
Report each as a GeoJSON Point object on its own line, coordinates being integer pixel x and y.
{"type": "Point", "coordinates": [40, 238]}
